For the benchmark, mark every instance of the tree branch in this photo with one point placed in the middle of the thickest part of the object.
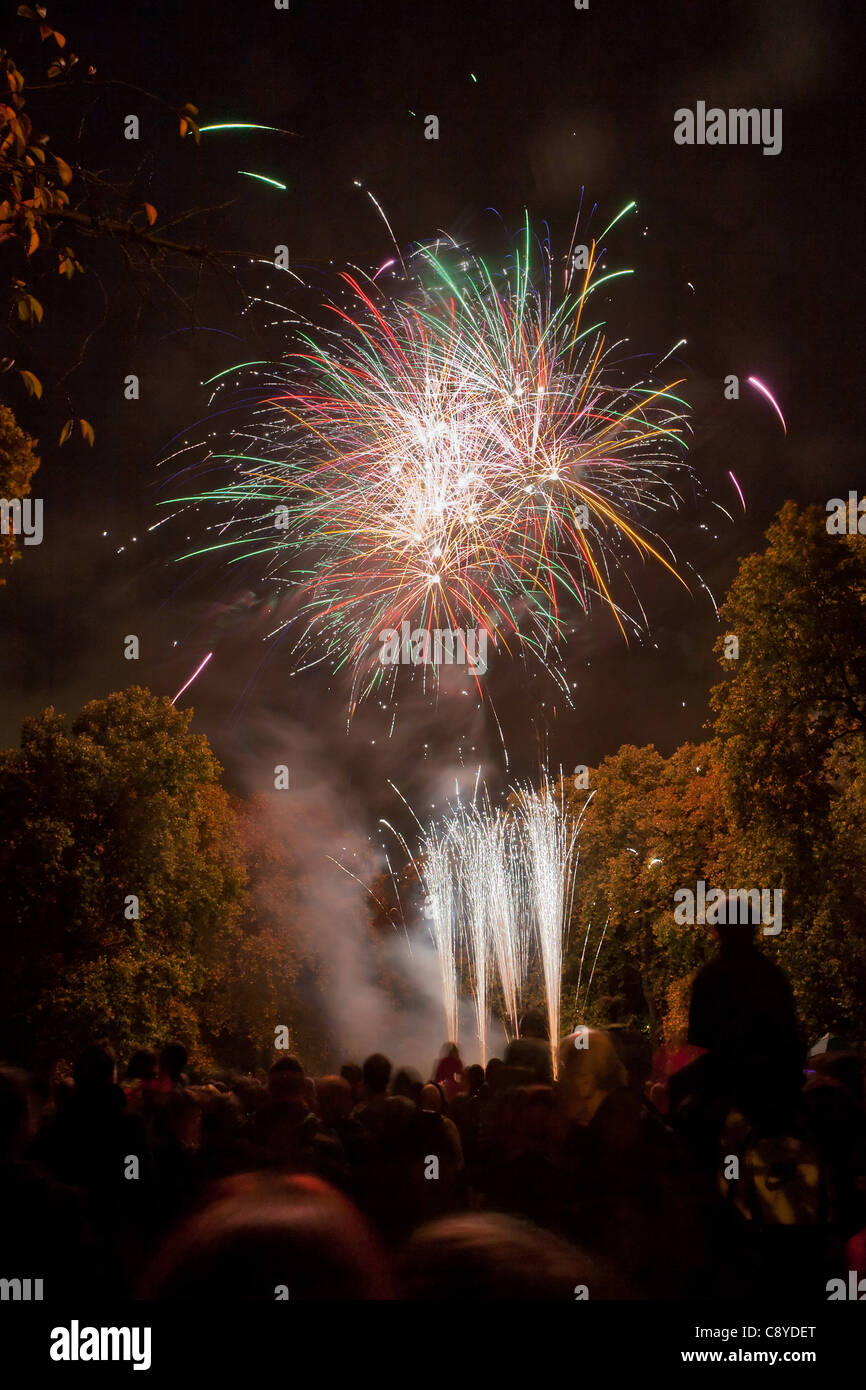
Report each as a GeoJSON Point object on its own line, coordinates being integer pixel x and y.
{"type": "Point", "coordinates": [127, 231]}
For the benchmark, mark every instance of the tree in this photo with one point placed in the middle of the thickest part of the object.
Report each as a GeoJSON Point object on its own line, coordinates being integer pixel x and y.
{"type": "Point", "coordinates": [53, 203]}
{"type": "Point", "coordinates": [790, 723]}
{"type": "Point", "coordinates": [18, 463]}
{"type": "Point", "coordinates": [777, 799]}
{"type": "Point", "coordinates": [651, 827]}
{"type": "Point", "coordinates": [123, 880]}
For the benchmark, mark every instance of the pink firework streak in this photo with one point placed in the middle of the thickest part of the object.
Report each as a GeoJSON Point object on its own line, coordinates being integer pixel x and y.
{"type": "Point", "coordinates": [195, 673]}
{"type": "Point", "coordinates": [739, 489]}
{"type": "Point", "coordinates": [759, 386]}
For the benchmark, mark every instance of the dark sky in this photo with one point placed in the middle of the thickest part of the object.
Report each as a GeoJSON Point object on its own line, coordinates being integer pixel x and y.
{"type": "Point", "coordinates": [564, 100]}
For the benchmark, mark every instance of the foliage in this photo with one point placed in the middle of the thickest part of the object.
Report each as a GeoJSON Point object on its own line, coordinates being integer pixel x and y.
{"type": "Point", "coordinates": [650, 827]}
{"type": "Point", "coordinates": [777, 799]}
{"type": "Point", "coordinates": [52, 202]}
{"type": "Point", "coordinates": [125, 800]}
{"type": "Point", "coordinates": [791, 750]}
{"type": "Point", "coordinates": [18, 463]}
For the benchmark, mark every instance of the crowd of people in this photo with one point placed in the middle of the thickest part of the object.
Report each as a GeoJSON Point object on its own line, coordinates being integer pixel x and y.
{"type": "Point", "coordinates": [730, 1166]}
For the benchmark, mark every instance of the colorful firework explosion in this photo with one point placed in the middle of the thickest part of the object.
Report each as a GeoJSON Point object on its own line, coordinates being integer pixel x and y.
{"type": "Point", "coordinates": [459, 451]}
{"type": "Point", "coordinates": [499, 888]}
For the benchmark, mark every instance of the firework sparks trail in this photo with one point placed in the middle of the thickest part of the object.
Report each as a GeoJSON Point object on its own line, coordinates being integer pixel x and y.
{"type": "Point", "coordinates": [739, 489]}
{"type": "Point", "coordinates": [506, 919]}
{"type": "Point", "coordinates": [759, 386]}
{"type": "Point", "coordinates": [244, 125]}
{"type": "Point", "coordinates": [491, 894]}
{"type": "Point", "coordinates": [263, 178]}
{"type": "Point", "coordinates": [497, 883]}
{"type": "Point", "coordinates": [436, 871]}
{"type": "Point", "coordinates": [468, 833]}
{"type": "Point", "coordinates": [195, 673]}
{"type": "Point", "coordinates": [550, 837]}
{"type": "Point", "coordinates": [440, 909]}
{"type": "Point", "coordinates": [459, 451]}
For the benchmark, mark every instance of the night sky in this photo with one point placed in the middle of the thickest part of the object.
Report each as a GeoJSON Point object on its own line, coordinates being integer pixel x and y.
{"type": "Point", "coordinates": [564, 101]}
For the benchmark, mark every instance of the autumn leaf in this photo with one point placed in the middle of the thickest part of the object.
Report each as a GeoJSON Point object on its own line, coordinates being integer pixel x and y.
{"type": "Point", "coordinates": [86, 431]}
{"type": "Point", "coordinates": [33, 384]}
{"type": "Point", "coordinates": [150, 213]}
{"type": "Point", "coordinates": [47, 32]}
{"type": "Point", "coordinates": [63, 169]}
{"type": "Point", "coordinates": [66, 431]}
{"type": "Point", "coordinates": [29, 307]}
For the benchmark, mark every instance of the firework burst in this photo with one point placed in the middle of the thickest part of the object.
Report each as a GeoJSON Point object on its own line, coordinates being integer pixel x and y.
{"type": "Point", "coordinates": [458, 451]}
{"type": "Point", "coordinates": [499, 888]}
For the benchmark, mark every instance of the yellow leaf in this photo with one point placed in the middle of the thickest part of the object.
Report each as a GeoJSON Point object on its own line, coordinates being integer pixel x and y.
{"type": "Point", "coordinates": [66, 431]}
{"type": "Point", "coordinates": [63, 169]}
{"type": "Point", "coordinates": [150, 213]}
{"type": "Point", "coordinates": [34, 242]}
{"type": "Point", "coordinates": [33, 384]}
{"type": "Point", "coordinates": [87, 431]}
